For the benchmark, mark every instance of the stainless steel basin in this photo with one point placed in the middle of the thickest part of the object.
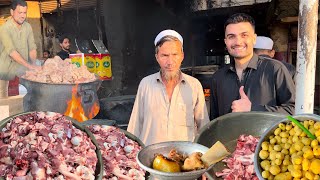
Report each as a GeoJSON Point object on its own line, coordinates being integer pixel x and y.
{"type": "Point", "coordinates": [229, 127]}
{"type": "Point", "coordinates": [146, 156]}
{"type": "Point", "coordinates": [269, 131]}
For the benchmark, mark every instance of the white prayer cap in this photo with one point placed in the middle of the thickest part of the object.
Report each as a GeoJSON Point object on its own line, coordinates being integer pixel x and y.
{"type": "Point", "coordinates": [263, 42]}
{"type": "Point", "coordinates": [168, 32]}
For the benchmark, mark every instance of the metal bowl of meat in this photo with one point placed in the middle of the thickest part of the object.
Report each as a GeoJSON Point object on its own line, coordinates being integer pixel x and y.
{"type": "Point", "coordinates": [297, 146]}
{"type": "Point", "coordinates": [147, 155]}
{"type": "Point", "coordinates": [232, 129]}
{"type": "Point", "coordinates": [119, 149]}
{"type": "Point", "coordinates": [43, 145]}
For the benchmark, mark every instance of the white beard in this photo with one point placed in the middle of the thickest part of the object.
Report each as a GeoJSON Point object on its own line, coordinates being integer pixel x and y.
{"type": "Point", "coordinates": [168, 76]}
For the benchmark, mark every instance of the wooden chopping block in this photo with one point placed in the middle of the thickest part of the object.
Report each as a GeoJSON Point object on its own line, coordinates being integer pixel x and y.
{"type": "Point", "coordinates": [11, 105]}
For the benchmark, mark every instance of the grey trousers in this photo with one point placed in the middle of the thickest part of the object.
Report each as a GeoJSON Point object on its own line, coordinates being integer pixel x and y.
{"type": "Point", "coordinates": [4, 88]}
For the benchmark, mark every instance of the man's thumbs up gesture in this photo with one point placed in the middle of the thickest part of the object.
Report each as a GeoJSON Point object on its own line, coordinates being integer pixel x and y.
{"type": "Point", "coordinates": [243, 104]}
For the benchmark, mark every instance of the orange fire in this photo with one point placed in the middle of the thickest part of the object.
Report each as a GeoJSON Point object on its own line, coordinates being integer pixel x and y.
{"type": "Point", "coordinates": [75, 109]}
{"type": "Point", "coordinates": [94, 110]}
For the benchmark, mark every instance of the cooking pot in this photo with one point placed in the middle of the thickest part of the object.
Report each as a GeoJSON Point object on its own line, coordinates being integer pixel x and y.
{"type": "Point", "coordinates": [55, 97]}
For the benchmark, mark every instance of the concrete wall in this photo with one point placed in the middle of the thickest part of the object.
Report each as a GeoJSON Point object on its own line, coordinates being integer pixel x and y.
{"type": "Point", "coordinates": [129, 31]}
{"type": "Point", "coordinates": [279, 34]}
{"type": "Point", "coordinates": [131, 27]}
{"type": "Point", "coordinates": [55, 25]}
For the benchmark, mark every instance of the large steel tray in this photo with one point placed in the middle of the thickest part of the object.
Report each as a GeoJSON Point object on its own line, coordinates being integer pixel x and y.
{"type": "Point", "coordinates": [99, 166]}
{"type": "Point", "coordinates": [229, 127]}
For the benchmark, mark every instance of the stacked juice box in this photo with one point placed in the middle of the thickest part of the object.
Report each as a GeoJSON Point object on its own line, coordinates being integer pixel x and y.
{"type": "Point", "coordinates": [96, 63]}
{"type": "Point", "coordinates": [77, 59]}
{"type": "Point", "coordinates": [103, 66]}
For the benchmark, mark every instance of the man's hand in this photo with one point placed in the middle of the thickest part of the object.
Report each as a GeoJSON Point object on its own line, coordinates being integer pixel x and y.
{"type": "Point", "coordinates": [35, 68]}
{"type": "Point", "coordinates": [243, 104]}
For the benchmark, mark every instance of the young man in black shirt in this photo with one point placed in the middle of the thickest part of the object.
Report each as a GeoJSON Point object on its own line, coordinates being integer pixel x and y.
{"type": "Point", "coordinates": [65, 47]}
{"type": "Point", "coordinates": [249, 82]}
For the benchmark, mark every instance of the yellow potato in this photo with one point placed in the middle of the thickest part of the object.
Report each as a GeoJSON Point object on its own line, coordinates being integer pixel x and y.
{"type": "Point", "coordinates": [161, 163]}
{"type": "Point", "coordinates": [265, 174]}
{"type": "Point", "coordinates": [309, 175]}
{"type": "Point", "coordinates": [305, 164]}
{"type": "Point", "coordinates": [315, 166]}
{"type": "Point", "coordinates": [296, 173]}
{"type": "Point", "coordinates": [283, 176]}
{"type": "Point", "coordinates": [263, 154]}
{"type": "Point", "coordinates": [274, 170]}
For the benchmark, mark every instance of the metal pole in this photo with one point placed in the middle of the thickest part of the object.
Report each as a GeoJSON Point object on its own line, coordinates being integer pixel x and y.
{"type": "Point", "coordinates": [306, 56]}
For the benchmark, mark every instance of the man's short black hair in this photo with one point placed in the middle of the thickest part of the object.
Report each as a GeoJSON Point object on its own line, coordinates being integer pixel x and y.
{"type": "Point", "coordinates": [15, 3]}
{"type": "Point", "coordinates": [61, 38]}
{"type": "Point", "coordinates": [47, 51]}
{"type": "Point", "coordinates": [238, 18]}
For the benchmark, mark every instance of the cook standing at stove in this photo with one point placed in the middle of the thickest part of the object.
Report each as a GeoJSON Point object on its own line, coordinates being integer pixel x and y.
{"type": "Point", "coordinates": [169, 104]}
{"type": "Point", "coordinates": [17, 47]}
{"type": "Point", "coordinates": [249, 82]}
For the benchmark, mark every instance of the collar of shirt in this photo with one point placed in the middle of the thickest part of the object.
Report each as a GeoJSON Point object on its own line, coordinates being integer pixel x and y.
{"type": "Point", "coordinates": [253, 63]}
{"type": "Point", "coordinates": [13, 24]}
{"type": "Point", "coordinates": [159, 79]}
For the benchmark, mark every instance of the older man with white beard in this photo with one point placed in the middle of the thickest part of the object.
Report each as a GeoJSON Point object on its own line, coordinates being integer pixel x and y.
{"type": "Point", "coordinates": [169, 105]}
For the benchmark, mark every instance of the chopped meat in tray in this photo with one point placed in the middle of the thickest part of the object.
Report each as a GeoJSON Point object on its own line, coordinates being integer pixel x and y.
{"type": "Point", "coordinates": [118, 153]}
{"type": "Point", "coordinates": [44, 146]}
{"type": "Point", "coordinates": [241, 164]}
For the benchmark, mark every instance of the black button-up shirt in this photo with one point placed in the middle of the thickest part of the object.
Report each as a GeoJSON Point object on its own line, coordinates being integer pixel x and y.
{"type": "Point", "coordinates": [267, 83]}
{"type": "Point", "coordinates": [63, 54]}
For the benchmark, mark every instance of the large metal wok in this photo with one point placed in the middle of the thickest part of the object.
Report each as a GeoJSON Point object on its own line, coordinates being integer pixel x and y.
{"type": "Point", "coordinates": [229, 127]}
{"type": "Point", "coordinates": [99, 166]}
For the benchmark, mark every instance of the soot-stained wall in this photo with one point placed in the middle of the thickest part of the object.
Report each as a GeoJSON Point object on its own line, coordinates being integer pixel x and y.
{"type": "Point", "coordinates": [131, 27]}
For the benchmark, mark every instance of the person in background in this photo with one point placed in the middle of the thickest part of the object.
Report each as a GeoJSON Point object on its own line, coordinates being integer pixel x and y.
{"type": "Point", "coordinates": [264, 48]}
{"type": "Point", "coordinates": [249, 82]}
{"type": "Point", "coordinates": [65, 47]}
{"type": "Point", "coordinates": [46, 54]}
{"type": "Point", "coordinates": [17, 46]}
{"type": "Point", "coordinates": [169, 104]}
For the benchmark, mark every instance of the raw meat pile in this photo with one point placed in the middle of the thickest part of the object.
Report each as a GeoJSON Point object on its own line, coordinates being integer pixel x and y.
{"type": "Point", "coordinates": [118, 153]}
{"type": "Point", "coordinates": [57, 71]}
{"type": "Point", "coordinates": [45, 146]}
{"type": "Point", "coordinates": [240, 164]}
